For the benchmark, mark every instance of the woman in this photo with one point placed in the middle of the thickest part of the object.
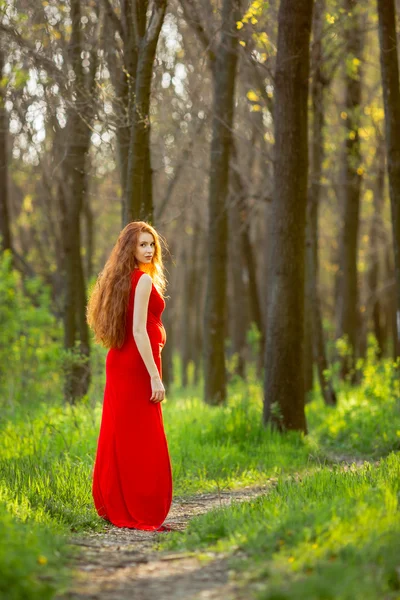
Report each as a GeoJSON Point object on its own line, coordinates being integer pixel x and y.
{"type": "Point", "coordinates": [132, 479]}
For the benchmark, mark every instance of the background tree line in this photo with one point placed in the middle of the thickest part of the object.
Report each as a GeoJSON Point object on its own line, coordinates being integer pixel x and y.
{"type": "Point", "coordinates": [261, 140]}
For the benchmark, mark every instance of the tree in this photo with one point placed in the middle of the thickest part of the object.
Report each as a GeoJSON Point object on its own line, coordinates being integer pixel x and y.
{"type": "Point", "coordinates": [374, 310]}
{"type": "Point", "coordinates": [347, 309]}
{"type": "Point", "coordinates": [75, 85]}
{"type": "Point", "coordinates": [73, 190]}
{"type": "Point", "coordinates": [391, 98]}
{"type": "Point", "coordinates": [223, 109]}
{"type": "Point", "coordinates": [314, 332]}
{"type": "Point", "coordinates": [5, 231]}
{"type": "Point", "coordinates": [284, 351]}
{"type": "Point", "coordinates": [132, 83]}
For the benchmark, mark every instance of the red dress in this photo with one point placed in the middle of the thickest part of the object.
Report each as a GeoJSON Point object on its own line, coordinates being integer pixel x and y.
{"type": "Point", "coordinates": [132, 478]}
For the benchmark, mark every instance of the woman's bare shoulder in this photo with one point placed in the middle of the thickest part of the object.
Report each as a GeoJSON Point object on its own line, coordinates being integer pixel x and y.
{"type": "Point", "coordinates": [145, 281]}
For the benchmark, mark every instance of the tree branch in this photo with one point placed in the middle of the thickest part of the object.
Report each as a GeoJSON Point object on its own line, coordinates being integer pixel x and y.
{"type": "Point", "coordinates": [40, 59]}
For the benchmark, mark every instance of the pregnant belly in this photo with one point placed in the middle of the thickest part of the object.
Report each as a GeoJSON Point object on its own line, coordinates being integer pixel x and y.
{"type": "Point", "coordinates": [128, 356]}
{"type": "Point", "coordinates": [157, 333]}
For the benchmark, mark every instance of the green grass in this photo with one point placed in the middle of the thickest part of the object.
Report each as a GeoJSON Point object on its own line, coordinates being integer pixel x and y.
{"type": "Point", "coordinates": [334, 533]}
{"type": "Point", "coordinates": [366, 422]}
{"type": "Point", "coordinates": [32, 556]}
{"type": "Point", "coordinates": [326, 533]}
{"type": "Point", "coordinates": [47, 453]}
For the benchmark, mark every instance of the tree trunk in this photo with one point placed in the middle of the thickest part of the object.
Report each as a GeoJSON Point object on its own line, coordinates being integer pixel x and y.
{"type": "Point", "coordinates": [284, 352]}
{"type": "Point", "coordinates": [239, 316]}
{"type": "Point", "coordinates": [248, 257]}
{"type": "Point", "coordinates": [139, 201]}
{"type": "Point", "coordinates": [123, 75]}
{"type": "Point", "coordinates": [315, 336]}
{"type": "Point", "coordinates": [187, 310]}
{"type": "Point", "coordinates": [132, 83]}
{"type": "Point", "coordinates": [89, 224]}
{"type": "Point", "coordinates": [374, 305]}
{"type": "Point", "coordinates": [76, 333]}
{"type": "Point", "coordinates": [348, 317]}
{"type": "Point", "coordinates": [5, 230]}
{"type": "Point", "coordinates": [198, 295]}
{"type": "Point", "coordinates": [391, 98]}
{"type": "Point", "coordinates": [169, 319]}
{"type": "Point", "coordinates": [224, 76]}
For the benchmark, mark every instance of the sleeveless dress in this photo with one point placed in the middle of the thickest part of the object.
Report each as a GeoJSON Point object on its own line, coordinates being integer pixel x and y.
{"type": "Point", "coordinates": [132, 477]}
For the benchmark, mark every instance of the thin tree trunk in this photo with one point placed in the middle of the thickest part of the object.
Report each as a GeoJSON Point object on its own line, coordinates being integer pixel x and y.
{"type": "Point", "coordinates": [391, 98]}
{"type": "Point", "coordinates": [76, 333]}
{"type": "Point", "coordinates": [139, 202]}
{"type": "Point", "coordinates": [239, 317]}
{"type": "Point", "coordinates": [169, 319]}
{"type": "Point", "coordinates": [223, 108]}
{"type": "Point", "coordinates": [123, 79]}
{"type": "Point", "coordinates": [315, 335]}
{"type": "Point", "coordinates": [187, 311]}
{"type": "Point", "coordinates": [197, 285]}
{"type": "Point", "coordinates": [249, 258]}
{"type": "Point", "coordinates": [348, 317]}
{"type": "Point", "coordinates": [284, 352]}
{"type": "Point", "coordinates": [132, 83]}
{"type": "Point", "coordinates": [5, 230]}
{"type": "Point", "coordinates": [90, 237]}
{"type": "Point", "coordinates": [374, 307]}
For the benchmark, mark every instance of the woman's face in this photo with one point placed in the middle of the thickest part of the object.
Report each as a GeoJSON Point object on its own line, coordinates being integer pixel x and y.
{"type": "Point", "coordinates": [145, 248]}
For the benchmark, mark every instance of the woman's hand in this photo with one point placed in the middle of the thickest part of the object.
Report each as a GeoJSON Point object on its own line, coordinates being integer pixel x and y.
{"type": "Point", "coordinates": [157, 388]}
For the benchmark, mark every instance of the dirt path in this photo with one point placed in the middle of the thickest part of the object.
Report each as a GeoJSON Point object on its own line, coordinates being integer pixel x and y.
{"type": "Point", "coordinates": [121, 564]}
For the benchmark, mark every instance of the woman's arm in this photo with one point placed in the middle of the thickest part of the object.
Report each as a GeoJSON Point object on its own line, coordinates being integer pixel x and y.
{"type": "Point", "coordinates": [140, 309]}
{"type": "Point", "coordinates": [141, 305]}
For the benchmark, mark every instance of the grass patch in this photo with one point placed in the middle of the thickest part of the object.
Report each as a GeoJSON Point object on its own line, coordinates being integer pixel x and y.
{"type": "Point", "coordinates": [366, 421]}
{"type": "Point", "coordinates": [47, 452]}
{"type": "Point", "coordinates": [48, 449]}
{"type": "Point", "coordinates": [225, 447]}
{"type": "Point", "coordinates": [334, 533]}
{"type": "Point", "coordinates": [32, 558]}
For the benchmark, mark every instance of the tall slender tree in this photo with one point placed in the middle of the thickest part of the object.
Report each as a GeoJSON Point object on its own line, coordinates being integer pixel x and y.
{"type": "Point", "coordinates": [284, 351]}
{"type": "Point", "coordinates": [132, 75]}
{"type": "Point", "coordinates": [73, 192]}
{"type": "Point", "coordinates": [391, 99]}
{"type": "Point", "coordinates": [314, 333]}
{"type": "Point", "coordinates": [347, 306]}
{"type": "Point", "coordinates": [238, 309]}
{"type": "Point", "coordinates": [223, 109]}
{"type": "Point", "coordinates": [374, 310]}
{"type": "Point", "coordinates": [5, 230]}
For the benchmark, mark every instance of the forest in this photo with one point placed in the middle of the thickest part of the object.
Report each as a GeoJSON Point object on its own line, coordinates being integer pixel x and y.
{"type": "Point", "coordinates": [262, 140]}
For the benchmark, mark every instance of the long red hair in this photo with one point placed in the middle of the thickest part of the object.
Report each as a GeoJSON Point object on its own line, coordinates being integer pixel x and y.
{"type": "Point", "coordinates": [108, 301]}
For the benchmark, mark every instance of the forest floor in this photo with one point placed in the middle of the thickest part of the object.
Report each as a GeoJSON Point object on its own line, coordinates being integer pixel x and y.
{"type": "Point", "coordinates": [122, 563]}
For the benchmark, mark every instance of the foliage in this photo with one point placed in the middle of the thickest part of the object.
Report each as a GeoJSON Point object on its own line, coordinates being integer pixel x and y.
{"type": "Point", "coordinates": [30, 338]}
{"type": "Point", "coordinates": [366, 421]}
